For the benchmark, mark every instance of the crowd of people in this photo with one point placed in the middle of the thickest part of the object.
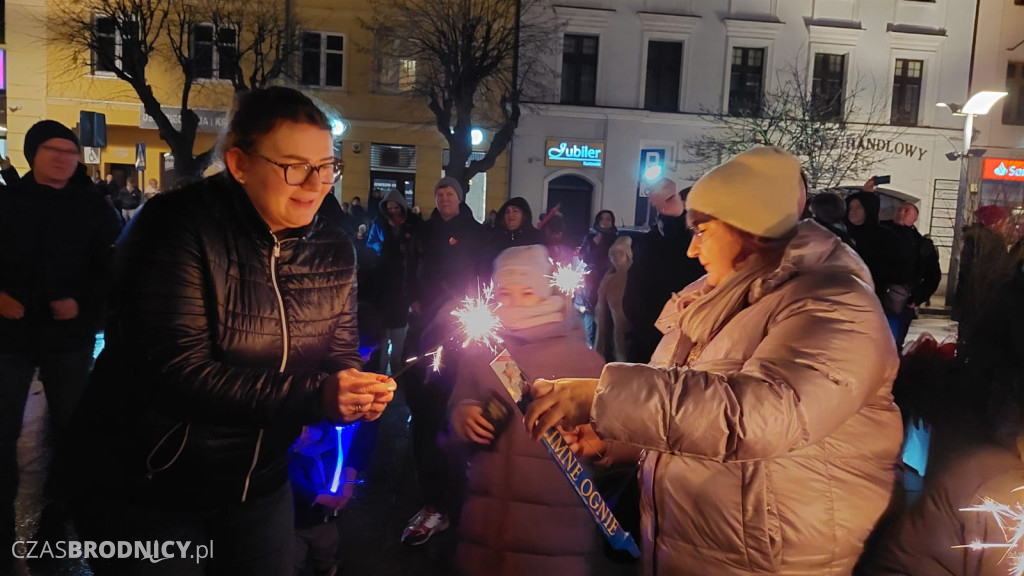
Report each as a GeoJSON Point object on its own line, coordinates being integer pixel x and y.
{"type": "Point", "coordinates": [733, 366]}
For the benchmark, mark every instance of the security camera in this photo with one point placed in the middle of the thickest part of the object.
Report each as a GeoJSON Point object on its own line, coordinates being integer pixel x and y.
{"type": "Point", "coordinates": [357, 147]}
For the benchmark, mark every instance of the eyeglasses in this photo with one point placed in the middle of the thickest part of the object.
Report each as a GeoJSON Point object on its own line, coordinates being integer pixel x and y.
{"type": "Point", "coordinates": [56, 150]}
{"type": "Point", "coordinates": [695, 230]}
{"type": "Point", "coordinates": [296, 174]}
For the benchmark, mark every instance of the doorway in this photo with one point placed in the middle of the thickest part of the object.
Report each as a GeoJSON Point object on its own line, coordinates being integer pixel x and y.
{"type": "Point", "coordinates": [403, 182]}
{"type": "Point", "coordinates": [575, 196]}
{"type": "Point", "coordinates": [122, 173]}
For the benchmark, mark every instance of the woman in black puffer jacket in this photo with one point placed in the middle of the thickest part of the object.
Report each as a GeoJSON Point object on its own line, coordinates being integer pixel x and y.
{"type": "Point", "coordinates": [233, 323]}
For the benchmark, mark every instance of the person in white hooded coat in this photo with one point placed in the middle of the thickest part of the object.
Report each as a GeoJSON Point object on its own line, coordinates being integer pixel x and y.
{"type": "Point", "coordinates": [770, 433]}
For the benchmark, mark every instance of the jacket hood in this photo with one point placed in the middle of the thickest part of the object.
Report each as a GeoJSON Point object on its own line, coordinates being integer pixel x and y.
{"type": "Point", "coordinates": [396, 197]}
{"type": "Point", "coordinates": [520, 203]}
{"type": "Point", "coordinates": [872, 205]}
{"type": "Point", "coordinates": [815, 249]}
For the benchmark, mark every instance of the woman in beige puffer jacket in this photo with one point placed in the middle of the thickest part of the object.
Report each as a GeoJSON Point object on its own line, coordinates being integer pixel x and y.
{"type": "Point", "coordinates": [770, 431]}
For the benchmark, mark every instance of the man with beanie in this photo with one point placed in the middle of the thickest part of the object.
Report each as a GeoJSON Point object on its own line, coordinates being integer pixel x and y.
{"type": "Point", "coordinates": [452, 255]}
{"type": "Point", "coordinates": [660, 267]}
{"type": "Point", "coordinates": [56, 234]}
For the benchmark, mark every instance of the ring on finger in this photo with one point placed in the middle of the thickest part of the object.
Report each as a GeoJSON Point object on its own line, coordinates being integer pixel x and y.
{"type": "Point", "coordinates": [359, 407]}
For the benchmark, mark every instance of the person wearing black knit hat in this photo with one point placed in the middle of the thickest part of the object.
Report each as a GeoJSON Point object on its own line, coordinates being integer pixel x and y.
{"type": "Point", "coordinates": [56, 234]}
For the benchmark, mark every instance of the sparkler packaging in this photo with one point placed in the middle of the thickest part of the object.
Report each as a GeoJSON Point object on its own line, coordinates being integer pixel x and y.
{"type": "Point", "coordinates": [504, 365]}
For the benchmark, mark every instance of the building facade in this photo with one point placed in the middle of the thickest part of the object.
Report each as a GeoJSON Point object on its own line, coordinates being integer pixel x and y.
{"type": "Point", "coordinates": [390, 140]}
{"type": "Point", "coordinates": [997, 175]}
{"type": "Point", "coordinates": [641, 78]}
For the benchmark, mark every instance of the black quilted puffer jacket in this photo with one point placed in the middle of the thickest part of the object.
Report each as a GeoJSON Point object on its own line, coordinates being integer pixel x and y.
{"type": "Point", "coordinates": [219, 341]}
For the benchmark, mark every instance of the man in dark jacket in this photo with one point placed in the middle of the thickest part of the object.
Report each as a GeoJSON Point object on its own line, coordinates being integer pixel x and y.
{"type": "Point", "coordinates": [130, 199]}
{"type": "Point", "coordinates": [56, 234]}
{"type": "Point", "coordinates": [393, 236]}
{"type": "Point", "coordinates": [452, 255]}
{"type": "Point", "coordinates": [879, 247]}
{"type": "Point", "coordinates": [925, 272]}
{"type": "Point", "coordinates": [660, 267]}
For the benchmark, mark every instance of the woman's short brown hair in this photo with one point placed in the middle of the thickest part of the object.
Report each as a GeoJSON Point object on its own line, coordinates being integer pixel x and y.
{"type": "Point", "coordinates": [259, 111]}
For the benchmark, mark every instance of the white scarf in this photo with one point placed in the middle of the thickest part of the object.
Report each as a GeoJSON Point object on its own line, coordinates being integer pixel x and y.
{"type": "Point", "coordinates": [550, 310]}
{"type": "Point", "coordinates": [694, 316]}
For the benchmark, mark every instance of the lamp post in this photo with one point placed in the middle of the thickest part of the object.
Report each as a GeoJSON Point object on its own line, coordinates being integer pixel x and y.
{"type": "Point", "coordinates": [977, 105]}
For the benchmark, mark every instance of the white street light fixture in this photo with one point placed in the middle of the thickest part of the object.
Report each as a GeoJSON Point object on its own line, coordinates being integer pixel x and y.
{"type": "Point", "coordinates": [977, 105]}
{"type": "Point", "coordinates": [982, 102]}
{"type": "Point", "coordinates": [476, 136]}
{"type": "Point", "coordinates": [338, 127]}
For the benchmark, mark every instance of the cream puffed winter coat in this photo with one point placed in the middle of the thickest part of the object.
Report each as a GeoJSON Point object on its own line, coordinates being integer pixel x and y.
{"type": "Point", "coordinates": [771, 448]}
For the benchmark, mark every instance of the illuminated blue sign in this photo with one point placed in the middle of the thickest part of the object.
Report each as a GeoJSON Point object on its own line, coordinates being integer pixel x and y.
{"type": "Point", "coordinates": [569, 153]}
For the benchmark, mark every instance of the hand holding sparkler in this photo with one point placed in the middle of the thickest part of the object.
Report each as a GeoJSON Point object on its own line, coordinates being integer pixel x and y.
{"type": "Point", "coordinates": [565, 401]}
{"type": "Point", "coordinates": [351, 395]}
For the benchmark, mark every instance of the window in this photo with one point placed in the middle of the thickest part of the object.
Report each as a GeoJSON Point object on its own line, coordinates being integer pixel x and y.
{"type": "Point", "coordinates": [213, 56]}
{"type": "Point", "coordinates": [579, 69]}
{"type": "Point", "coordinates": [395, 73]}
{"type": "Point", "coordinates": [746, 81]}
{"type": "Point", "coordinates": [323, 59]}
{"type": "Point", "coordinates": [106, 47]}
{"type": "Point", "coordinates": [1013, 106]}
{"type": "Point", "coordinates": [827, 86]}
{"type": "Point", "coordinates": [227, 53]}
{"type": "Point", "coordinates": [664, 68]}
{"type": "Point", "coordinates": [201, 51]}
{"type": "Point", "coordinates": [906, 91]}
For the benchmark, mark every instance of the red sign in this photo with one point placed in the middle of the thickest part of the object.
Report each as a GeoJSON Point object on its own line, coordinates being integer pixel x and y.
{"type": "Point", "coordinates": [1003, 169]}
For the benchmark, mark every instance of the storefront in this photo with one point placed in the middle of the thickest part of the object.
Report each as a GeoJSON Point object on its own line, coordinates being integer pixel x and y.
{"type": "Point", "coordinates": [1002, 184]}
{"type": "Point", "coordinates": [591, 160]}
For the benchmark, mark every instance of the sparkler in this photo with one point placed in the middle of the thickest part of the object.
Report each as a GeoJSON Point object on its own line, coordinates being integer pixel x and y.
{"type": "Point", "coordinates": [435, 363]}
{"type": "Point", "coordinates": [1010, 520]}
{"type": "Point", "coordinates": [477, 320]}
{"type": "Point", "coordinates": [568, 278]}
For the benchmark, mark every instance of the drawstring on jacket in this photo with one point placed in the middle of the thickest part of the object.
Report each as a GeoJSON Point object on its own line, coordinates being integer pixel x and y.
{"type": "Point", "coordinates": [150, 470]}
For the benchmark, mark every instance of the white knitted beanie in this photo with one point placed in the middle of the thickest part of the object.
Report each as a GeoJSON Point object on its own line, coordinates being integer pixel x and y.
{"type": "Point", "coordinates": [526, 266]}
{"type": "Point", "coordinates": [756, 192]}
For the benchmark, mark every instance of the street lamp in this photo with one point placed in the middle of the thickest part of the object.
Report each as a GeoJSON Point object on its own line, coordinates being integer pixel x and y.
{"type": "Point", "coordinates": [977, 105]}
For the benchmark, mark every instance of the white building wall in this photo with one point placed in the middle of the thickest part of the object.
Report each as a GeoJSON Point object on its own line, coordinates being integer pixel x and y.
{"type": "Point", "coordinates": [1000, 40]}
{"type": "Point", "coordinates": [874, 33]}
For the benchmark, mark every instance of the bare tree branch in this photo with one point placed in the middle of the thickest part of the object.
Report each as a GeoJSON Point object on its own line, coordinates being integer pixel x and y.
{"type": "Point", "coordinates": [465, 55]}
{"type": "Point", "coordinates": [134, 33]}
{"type": "Point", "coordinates": [831, 148]}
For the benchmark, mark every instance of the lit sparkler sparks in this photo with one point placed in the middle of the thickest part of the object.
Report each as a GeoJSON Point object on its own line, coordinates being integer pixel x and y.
{"type": "Point", "coordinates": [435, 363]}
{"type": "Point", "coordinates": [568, 278]}
{"type": "Point", "coordinates": [1010, 520]}
{"type": "Point", "coordinates": [477, 320]}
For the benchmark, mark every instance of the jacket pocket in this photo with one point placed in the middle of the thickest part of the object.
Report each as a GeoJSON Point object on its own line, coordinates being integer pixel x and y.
{"type": "Point", "coordinates": [762, 529]}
